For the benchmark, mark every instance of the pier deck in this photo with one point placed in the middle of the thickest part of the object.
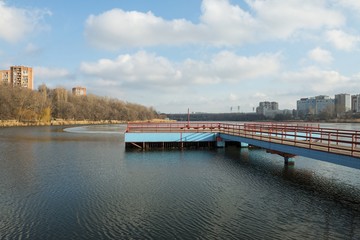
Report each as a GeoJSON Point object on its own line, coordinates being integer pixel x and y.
{"type": "Point", "coordinates": [338, 146]}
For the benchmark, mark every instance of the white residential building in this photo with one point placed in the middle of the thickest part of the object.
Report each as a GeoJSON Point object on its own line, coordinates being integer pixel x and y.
{"type": "Point", "coordinates": [315, 105]}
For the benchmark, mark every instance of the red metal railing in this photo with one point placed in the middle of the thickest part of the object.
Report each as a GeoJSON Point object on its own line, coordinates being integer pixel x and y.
{"type": "Point", "coordinates": [173, 127]}
{"type": "Point", "coordinates": [311, 136]}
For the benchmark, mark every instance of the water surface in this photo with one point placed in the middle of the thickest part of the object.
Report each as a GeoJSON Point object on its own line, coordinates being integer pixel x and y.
{"type": "Point", "coordinates": [82, 184]}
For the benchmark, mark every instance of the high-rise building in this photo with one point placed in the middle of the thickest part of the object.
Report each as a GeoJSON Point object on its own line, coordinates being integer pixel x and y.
{"type": "Point", "coordinates": [18, 76]}
{"type": "Point", "coordinates": [79, 91]}
{"type": "Point", "coordinates": [266, 107]}
{"type": "Point", "coordinates": [355, 103]}
{"type": "Point", "coordinates": [342, 103]}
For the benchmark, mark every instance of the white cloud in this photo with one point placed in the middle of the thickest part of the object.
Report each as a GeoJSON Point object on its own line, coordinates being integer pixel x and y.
{"type": "Point", "coordinates": [226, 24]}
{"type": "Point", "coordinates": [351, 4]}
{"type": "Point", "coordinates": [316, 81]}
{"type": "Point", "coordinates": [342, 40]}
{"type": "Point", "coordinates": [205, 85]}
{"type": "Point", "coordinates": [320, 55]}
{"type": "Point", "coordinates": [234, 68]}
{"type": "Point", "coordinates": [116, 28]}
{"type": "Point", "coordinates": [221, 24]}
{"type": "Point", "coordinates": [144, 68]}
{"type": "Point", "coordinates": [283, 18]}
{"type": "Point", "coordinates": [44, 73]}
{"type": "Point", "coordinates": [227, 67]}
{"type": "Point", "coordinates": [140, 69]}
{"type": "Point", "coordinates": [16, 23]}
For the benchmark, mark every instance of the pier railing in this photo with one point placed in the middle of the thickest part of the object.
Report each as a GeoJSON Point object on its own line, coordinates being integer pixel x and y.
{"type": "Point", "coordinates": [310, 136]}
{"type": "Point", "coordinates": [174, 127]}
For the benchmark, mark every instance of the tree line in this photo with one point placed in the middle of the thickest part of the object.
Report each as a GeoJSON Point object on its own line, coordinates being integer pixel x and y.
{"type": "Point", "coordinates": [45, 104]}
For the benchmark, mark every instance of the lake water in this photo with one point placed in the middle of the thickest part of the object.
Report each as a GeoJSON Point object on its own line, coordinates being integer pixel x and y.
{"type": "Point", "coordinates": [82, 184]}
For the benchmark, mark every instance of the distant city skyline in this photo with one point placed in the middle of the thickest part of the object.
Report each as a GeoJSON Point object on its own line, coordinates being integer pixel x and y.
{"type": "Point", "coordinates": [206, 55]}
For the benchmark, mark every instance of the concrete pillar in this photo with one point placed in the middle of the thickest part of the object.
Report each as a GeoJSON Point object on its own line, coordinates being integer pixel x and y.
{"type": "Point", "coordinates": [244, 145]}
{"type": "Point", "coordinates": [289, 161]}
{"type": "Point", "coordinates": [220, 143]}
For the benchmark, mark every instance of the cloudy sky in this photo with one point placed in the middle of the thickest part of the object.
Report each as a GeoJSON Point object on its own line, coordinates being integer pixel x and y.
{"type": "Point", "coordinates": [206, 55]}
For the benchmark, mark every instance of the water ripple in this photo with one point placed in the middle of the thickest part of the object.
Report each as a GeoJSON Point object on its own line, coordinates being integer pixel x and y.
{"type": "Point", "coordinates": [70, 186]}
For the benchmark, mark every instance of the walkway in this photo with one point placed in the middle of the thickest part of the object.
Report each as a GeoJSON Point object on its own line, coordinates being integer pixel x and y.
{"type": "Point", "coordinates": [337, 146]}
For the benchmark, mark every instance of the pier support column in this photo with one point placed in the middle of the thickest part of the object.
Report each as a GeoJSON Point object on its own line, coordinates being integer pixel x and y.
{"type": "Point", "coordinates": [289, 161]}
{"type": "Point", "coordinates": [244, 145]}
{"type": "Point", "coordinates": [288, 157]}
{"type": "Point", "coordinates": [220, 143]}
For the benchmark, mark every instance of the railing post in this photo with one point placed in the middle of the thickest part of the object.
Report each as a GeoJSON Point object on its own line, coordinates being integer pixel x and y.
{"type": "Point", "coordinates": [321, 136]}
{"type": "Point", "coordinates": [269, 133]}
{"type": "Point", "coordinates": [353, 144]}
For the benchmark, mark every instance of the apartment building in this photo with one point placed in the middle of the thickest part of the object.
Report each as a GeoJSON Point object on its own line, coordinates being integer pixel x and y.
{"type": "Point", "coordinates": [18, 76]}
{"type": "Point", "coordinates": [268, 109]}
{"type": "Point", "coordinates": [266, 106]}
{"type": "Point", "coordinates": [355, 103]}
{"type": "Point", "coordinates": [342, 103]}
{"type": "Point", "coordinates": [315, 105]}
{"type": "Point", "coordinates": [4, 76]}
{"type": "Point", "coordinates": [79, 91]}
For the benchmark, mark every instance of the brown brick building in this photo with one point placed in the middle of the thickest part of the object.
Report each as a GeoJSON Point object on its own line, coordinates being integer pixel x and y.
{"type": "Point", "coordinates": [18, 76]}
{"type": "Point", "coordinates": [79, 91]}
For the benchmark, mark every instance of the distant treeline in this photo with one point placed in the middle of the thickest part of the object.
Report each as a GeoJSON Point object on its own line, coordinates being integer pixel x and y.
{"type": "Point", "coordinates": [45, 104]}
{"type": "Point", "coordinates": [218, 117]}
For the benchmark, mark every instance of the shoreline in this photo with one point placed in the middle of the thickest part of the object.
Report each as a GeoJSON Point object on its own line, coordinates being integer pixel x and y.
{"type": "Point", "coordinates": [15, 123]}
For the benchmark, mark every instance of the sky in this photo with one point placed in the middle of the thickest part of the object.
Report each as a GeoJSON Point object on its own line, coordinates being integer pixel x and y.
{"type": "Point", "coordinates": [212, 56]}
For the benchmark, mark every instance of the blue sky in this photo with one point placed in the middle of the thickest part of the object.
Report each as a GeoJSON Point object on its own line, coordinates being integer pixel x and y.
{"type": "Point", "coordinates": [207, 55]}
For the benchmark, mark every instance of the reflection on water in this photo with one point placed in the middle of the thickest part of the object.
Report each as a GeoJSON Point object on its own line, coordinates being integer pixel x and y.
{"type": "Point", "coordinates": [81, 184]}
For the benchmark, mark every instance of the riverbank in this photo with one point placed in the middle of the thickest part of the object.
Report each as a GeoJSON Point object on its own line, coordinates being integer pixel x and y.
{"type": "Point", "coordinates": [354, 120]}
{"type": "Point", "coordinates": [15, 123]}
